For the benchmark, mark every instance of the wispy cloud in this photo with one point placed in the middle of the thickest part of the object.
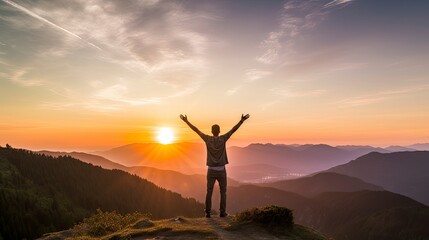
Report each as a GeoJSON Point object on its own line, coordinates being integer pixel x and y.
{"type": "Point", "coordinates": [233, 90]}
{"type": "Point", "coordinates": [297, 93]}
{"type": "Point", "coordinates": [250, 76]}
{"type": "Point", "coordinates": [380, 96]}
{"type": "Point", "coordinates": [256, 74]}
{"type": "Point", "coordinates": [20, 77]}
{"type": "Point", "coordinates": [158, 43]}
{"type": "Point", "coordinates": [34, 15]}
{"type": "Point", "coordinates": [338, 2]}
{"type": "Point", "coordinates": [117, 93]}
{"type": "Point", "coordinates": [3, 62]}
{"type": "Point", "coordinates": [297, 16]}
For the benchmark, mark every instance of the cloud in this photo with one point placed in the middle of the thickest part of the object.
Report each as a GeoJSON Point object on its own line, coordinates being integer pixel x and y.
{"type": "Point", "coordinates": [3, 62]}
{"type": "Point", "coordinates": [233, 90]}
{"type": "Point", "coordinates": [153, 36]}
{"type": "Point", "coordinates": [256, 74]}
{"type": "Point", "coordinates": [337, 3]}
{"type": "Point", "coordinates": [297, 17]}
{"type": "Point", "coordinates": [295, 93]}
{"type": "Point", "coordinates": [34, 15]}
{"type": "Point", "coordinates": [20, 77]}
{"type": "Point", "coordinates": [250, 76]}
{"type": "Point", "coordinates": [152, 43]}
{"type": "Point", "coordinates": [117, 93]}
{"type": "Point", "coordinates": [380, 96]}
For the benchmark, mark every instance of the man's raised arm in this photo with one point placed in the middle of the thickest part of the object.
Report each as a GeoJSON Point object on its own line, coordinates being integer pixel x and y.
{"type": "Point", "coordinates": [195, 129]}
{"type": "Point", "coordinates": [237, 126]}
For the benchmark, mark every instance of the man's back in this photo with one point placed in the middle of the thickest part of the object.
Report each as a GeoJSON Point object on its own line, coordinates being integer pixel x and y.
{"type": "Point", "coordinates": [216, 150]}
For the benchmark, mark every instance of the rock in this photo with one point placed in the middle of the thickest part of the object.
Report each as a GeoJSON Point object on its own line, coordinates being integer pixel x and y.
{"type": "Point", "coordinates": [146, 223]}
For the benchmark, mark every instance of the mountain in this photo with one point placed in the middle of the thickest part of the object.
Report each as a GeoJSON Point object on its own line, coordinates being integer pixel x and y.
{"type": "Point", "coordinates": [193, 185]}
{"type": "Point", "coordinates": [420, 146]}
{"type": "Point", "coordinates": [253, 163]}
{"type": "Point", "coordinates": [296, 158]}
{"type": "Point", "coordinates": [88, 158]}
{"type": "Point", "coordinates": [401, 172]}
{"type": "Point", "coordinates": [188, 158]}
{"type": "Point", "coordinates": [368, 215]}
{"type": "Point", "coordinates": [323, 182]}
{"type": "Point", "coordinates": [359, 150]}
{"type": "Point", "coordinates": [399, 149]}
{"type": "Point", "coordinates": [343, 215]}
{"type": "Point", "coordinates": [40, 193]}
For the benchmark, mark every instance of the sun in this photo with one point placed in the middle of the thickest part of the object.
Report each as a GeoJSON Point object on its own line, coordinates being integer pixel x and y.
{"type": "Point", "coordinates": [165, 135]}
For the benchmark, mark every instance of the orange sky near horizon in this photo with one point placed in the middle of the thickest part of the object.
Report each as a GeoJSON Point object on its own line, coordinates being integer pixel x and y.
{"type": "Point", "coordinates": [92, 75]}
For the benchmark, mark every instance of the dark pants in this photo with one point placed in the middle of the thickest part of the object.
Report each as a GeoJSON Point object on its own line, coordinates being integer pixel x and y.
{"type": "Point", "coordinates": [212, 176]}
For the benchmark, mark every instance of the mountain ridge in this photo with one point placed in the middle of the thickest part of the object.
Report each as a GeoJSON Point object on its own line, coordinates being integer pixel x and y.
{"type": "Point", "coordinates": [311, 186]}
{"type": "Point", "coordinates": [401, 172]}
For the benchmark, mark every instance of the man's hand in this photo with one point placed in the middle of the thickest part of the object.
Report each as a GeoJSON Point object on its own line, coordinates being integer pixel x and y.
{"type": "Point", "coordinates": [184, 117]}
{"type": "Point", "coordinates": [244, 117]}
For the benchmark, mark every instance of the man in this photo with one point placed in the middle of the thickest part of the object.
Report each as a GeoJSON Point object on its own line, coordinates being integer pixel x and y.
{"type": "Point", "coordinates": [216, 161]}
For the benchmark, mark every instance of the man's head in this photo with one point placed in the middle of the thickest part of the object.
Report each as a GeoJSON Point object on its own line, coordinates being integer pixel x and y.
{"type": "Point", "coordinates": [215, 130]}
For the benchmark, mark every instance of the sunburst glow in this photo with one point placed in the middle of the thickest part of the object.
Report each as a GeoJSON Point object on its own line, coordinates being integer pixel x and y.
{"type": "Point", "coordinates": [165, 135]}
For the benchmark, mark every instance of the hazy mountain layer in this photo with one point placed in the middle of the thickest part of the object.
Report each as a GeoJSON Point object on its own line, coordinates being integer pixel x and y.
{"type": "Point", "coordinates": [323, 182]}
{"type": "Point", "coordinates": [254, 163]}
{"type": "Point", "coordinates": [401, 172]}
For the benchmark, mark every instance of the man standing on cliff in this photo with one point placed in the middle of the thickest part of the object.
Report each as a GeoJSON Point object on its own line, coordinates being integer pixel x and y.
{"type": "Point", "coordinates": [216, 161]}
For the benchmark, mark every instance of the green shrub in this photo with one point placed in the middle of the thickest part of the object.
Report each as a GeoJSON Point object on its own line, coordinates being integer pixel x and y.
{"type": "Point", "coordinates": [103, 223]}
{"type": "Point", "coordinates": [270, 216]}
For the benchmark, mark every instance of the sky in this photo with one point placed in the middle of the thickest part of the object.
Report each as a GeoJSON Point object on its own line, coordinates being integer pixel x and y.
{"type": "Point", "coordinates": [82, 75]}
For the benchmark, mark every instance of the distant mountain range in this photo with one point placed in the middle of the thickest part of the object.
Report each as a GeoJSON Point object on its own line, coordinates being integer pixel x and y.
{"type": "Point", "coordinates": [406, 173]}
{"type": "Point", "coordinates": [323, 182]}
{"type": "Point", "coordinates": [253, 163]}
{"type": "Point", "coordinates": [420, 146]}
{"type": "Point", "coordinates": [297, 159]}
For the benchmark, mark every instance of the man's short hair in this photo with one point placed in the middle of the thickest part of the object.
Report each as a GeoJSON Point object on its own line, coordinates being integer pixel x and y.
{"type": "Point", "coordinates": [215, 129]}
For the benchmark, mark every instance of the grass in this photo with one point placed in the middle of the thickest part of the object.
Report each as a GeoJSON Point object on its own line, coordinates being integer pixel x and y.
{"type": "Point", "coordinates": [112, 225]}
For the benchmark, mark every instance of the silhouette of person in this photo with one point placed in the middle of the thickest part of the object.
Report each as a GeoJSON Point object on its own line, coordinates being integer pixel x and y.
{"type": "Point", "coordinates": [216, 161]}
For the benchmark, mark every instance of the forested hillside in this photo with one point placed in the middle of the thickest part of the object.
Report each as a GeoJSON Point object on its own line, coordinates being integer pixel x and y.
{"type": "Point", "coordinates": [40, 193]}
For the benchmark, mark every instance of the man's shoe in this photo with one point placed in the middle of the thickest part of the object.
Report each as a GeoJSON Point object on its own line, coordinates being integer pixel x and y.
{"type": "Point", "coordinates": [207, 215]}
{"type": "Point", "coordinates": [222, 215]}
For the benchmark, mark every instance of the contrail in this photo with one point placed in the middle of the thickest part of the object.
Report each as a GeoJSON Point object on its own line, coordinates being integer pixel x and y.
{"type": "Point", "coordinates": [25, 10]}
{"type": "Point", "coordinates": [337, 2]}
